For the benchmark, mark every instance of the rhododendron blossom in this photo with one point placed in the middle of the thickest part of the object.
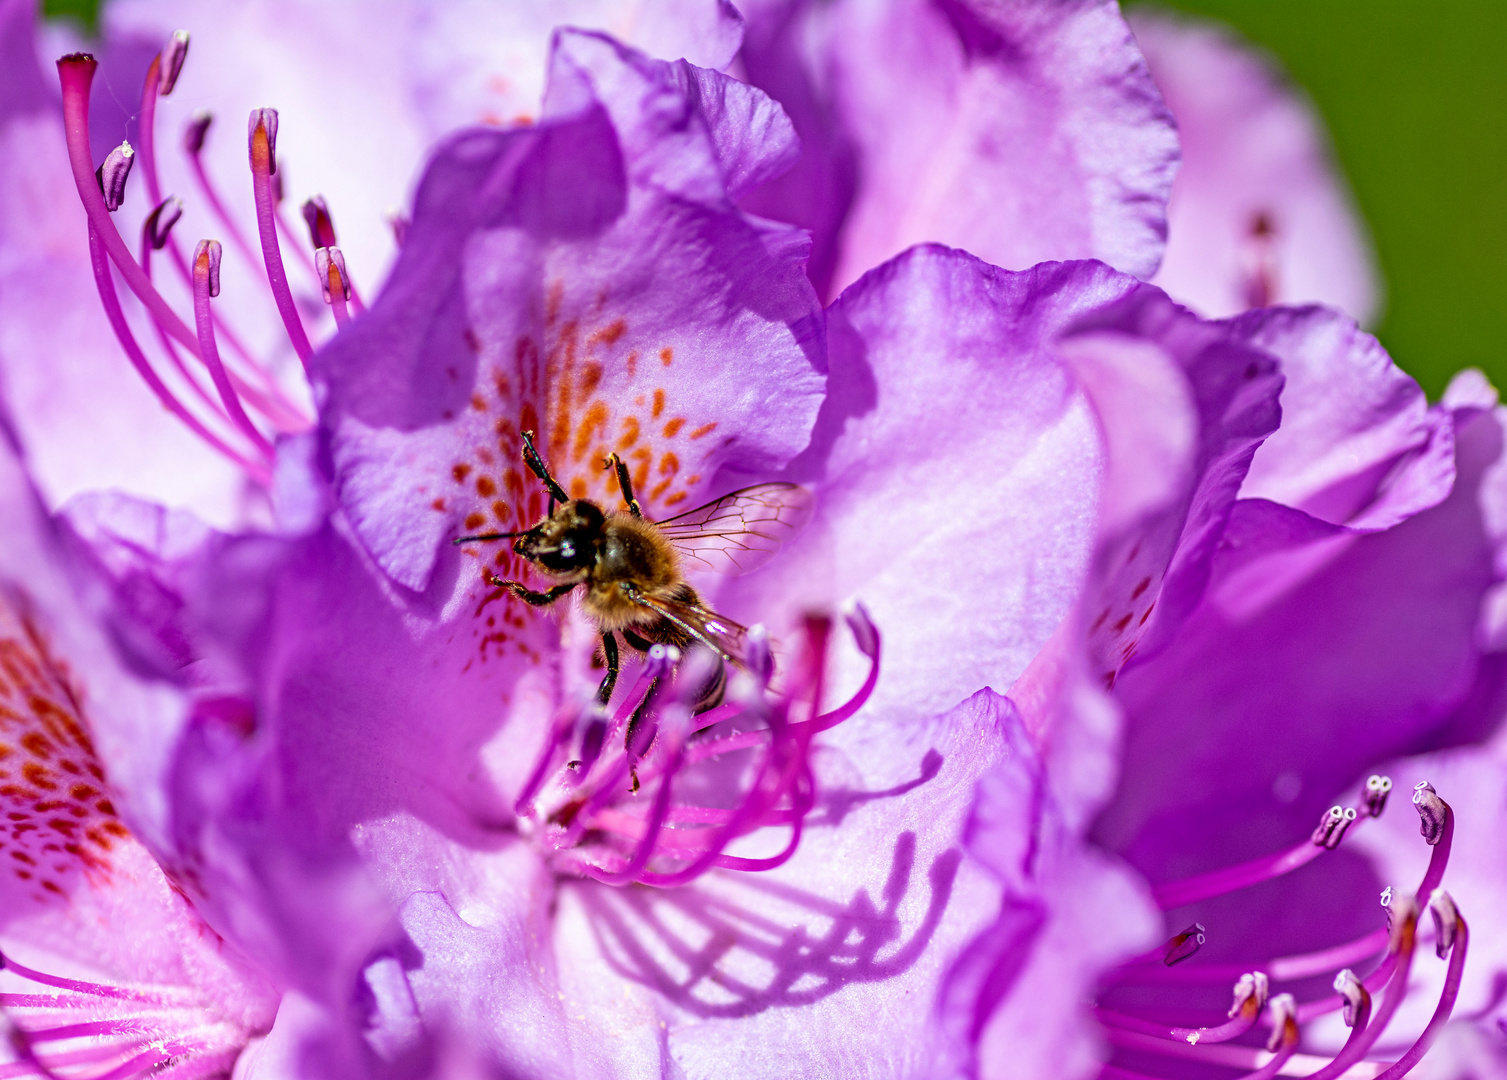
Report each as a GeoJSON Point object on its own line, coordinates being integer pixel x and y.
{"type": "Point", "coordinates": [1046, 733]}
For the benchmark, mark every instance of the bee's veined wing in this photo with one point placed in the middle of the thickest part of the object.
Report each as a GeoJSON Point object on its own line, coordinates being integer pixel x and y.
{"type": "Point", "coordinates": [741, 530]}
{"type": "Point", "coordinates": [701, 623]}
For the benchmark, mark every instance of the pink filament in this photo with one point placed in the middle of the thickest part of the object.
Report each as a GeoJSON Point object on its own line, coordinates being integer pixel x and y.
{"type": "Point", "coordinates": [211, 355]}
{"type": "Point", "coordinates": [1173, 894]}
{"type": "Point", "coordinates": [76, 74]}
{"type": "Point", "coordinates": [1442, 1012]}
{"type": "Point", "coordinates": [1242, 1022]}
{"type": "Point", "coordinates": [261, 183]}
{"type": "Point", "coordinates": [256, 469]}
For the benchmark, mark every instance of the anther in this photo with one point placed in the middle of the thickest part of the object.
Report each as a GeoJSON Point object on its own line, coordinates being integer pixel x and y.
{"type": "Point", "coordinates": [331, 266]}
{"type": "Point", "coordinates": [1181, 946]}
{"type": "Point", "coordinates": [1356, 996]}
{"type": "Point", "coordinates": [173, 55]}
{"type": "Point", "coordinates": [756, 654]}
{"type": "Point", "coordinates": [1377, 790]}
{"type": "Point", "coordinates": [316, 215]}
{"type": "Point", "coordinates": [861, 626]}
{"type": "Point", "coordinates": [266, 121]}
{"type": "Point", "coordinates": [1446, 921]}
{"type": "Point", "coordinates": [207, 256]}
{"type": "Point", "coordinates": [160, 221]}
{"type": "Point", "coordinates": [197, 131]}
{"type": "Point", "coordinates": [1332, 826]}
{"type": "Point", "coordinates": [1431, 810]}
{"type": "Point", "coordinates": [112, 175]}
{"type": "Point", "coordinates": [1284, 1017]}
{"type": "Point", "coordinates": [1251, 992]}
{"type": "Point", "coordinates": [398, 222]}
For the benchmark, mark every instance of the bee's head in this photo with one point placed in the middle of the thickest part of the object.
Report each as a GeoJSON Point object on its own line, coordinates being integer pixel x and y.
{"type": "Point", "coordinates": [566, 540]}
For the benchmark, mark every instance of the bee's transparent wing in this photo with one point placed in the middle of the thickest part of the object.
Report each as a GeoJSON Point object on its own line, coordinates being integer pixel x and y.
{"type": "Point", "coordinates": [741, 530]}
{"type": "Point", "coordinates": [702, 624]}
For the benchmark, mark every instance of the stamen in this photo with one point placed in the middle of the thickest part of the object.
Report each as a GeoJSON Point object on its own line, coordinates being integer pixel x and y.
{"type": "Point", "coordinates": [159, 223]}
{"type": "Point", "coordinates": [316, 215]}
{"type": "Point", "coordinates": [262, 137]}
{"type": "Point", "coordinates": [1375, 795]}
{"type": "Point", "coordinates": [333, 281]}
{"type": "Point", "coordinates": [172, 57]}
{"type": "Point", "coordinates": [1445, 915]}
{"type": "Point", "coordinates": [1332, 827]}
{"type": "Point", "coordinates": [1356, 997]}
{"type": "Point", "coordinates": [76, 73]}
{"type": "Point", "coordinates": [206, 285]}
{"type": "Point", "coordinates": [1250, 998]}
{"type": "Point", "coordinates": [194, 136]}
{"type": "Point", "coordinates": [1437, 826]}
{"type": "Point", "coordinates": [1364, 1034]}
{"type": "Point", "coordinates": [111, 176]}
{"type": "Point", "coordinates": [1182, 946]}
{"type": "Point", "coordinates": [321, 229]}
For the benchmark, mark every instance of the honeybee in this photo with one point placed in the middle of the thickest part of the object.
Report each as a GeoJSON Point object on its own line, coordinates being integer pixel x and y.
{"type": "Point", "coordinates": [632, 568]}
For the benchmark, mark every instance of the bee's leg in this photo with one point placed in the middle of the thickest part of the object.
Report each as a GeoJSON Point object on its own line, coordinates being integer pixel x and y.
{"type": "Point", "coordinates": [523, 592]}
{"type": "Point", "coordinates": [635, 733]}
{"type": "Point", "coordinates": [609, 681]}
{"type": "Point", "coordinates": [536, 464]}
{"type": "Point", "coordinates": [625, 485]}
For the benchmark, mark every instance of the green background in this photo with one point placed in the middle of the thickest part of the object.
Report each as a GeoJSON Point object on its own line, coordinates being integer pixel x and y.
{"type": "Point", "coordinates": [1415, 94]}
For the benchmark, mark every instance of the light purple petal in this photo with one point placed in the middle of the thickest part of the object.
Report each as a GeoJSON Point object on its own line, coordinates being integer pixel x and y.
{"type": "Point", "coordinates": [1358, 445]}
{"type": "Point", "coordinates": [1022, 133]}
{"type": "Point", "coordinates": [1252, 150]}
{"type": "Point", "coordinates": [588, 280]}
{"type": "Point", "coordinates": [956, 469]}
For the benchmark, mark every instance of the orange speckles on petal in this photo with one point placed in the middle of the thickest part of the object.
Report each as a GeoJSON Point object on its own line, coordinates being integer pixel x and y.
{"type": "Point", "coordinates": [528, 416]}
{"type": "Point", "coordinates": [704, 429]}
{"type": "Point", "coordinates": [642, 458]}
{"type": "Point", "coordinates": [478, 403]}
{"type": "Point", "coordinates": [630, 433]}
{"type": "Point", "coordinates": [486, 487]}
{"type": "Point", "coordinates": [554, 296]}
{"type": "Point", "coordinates": [666, 355]}
{"type": "Point", "coordinates": [674, 426]}
{"type": "Point", "coordinates": [674, 499]}
{"type": "Point", "coordinates": [659, 404]}
{"type": "Point", "coordinates": [609, 334]}
{"type": "Point", "coordinates": [438, 504]}
{"type": "Point", "coordinates": [578, 488]}
{"type": "Point", "coordinates": [593, 422]}
{"type": "Point", "coordinates": [669, 465]}
{"type": "Point", "coordinates": [460, 472]}
{"type": "Point", "coordinates": [591, 377]}
{"type": "Point", "coordinates": [475, 521]}
{"type": "Point", "coordinates": [500, 510]}
{"type": "Point", "coordinates": [37, 744]}
{"type": "Point", "coordinates": [694, 478]}
{"type": "Point", "coordinates": [632, 363]}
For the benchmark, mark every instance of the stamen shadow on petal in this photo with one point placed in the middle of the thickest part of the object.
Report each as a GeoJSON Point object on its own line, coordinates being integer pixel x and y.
{"type": "Point", "coordinates": [716, 953]}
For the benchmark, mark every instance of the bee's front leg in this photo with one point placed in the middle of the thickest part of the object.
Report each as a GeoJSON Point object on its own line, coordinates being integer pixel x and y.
{"type": "Point", "coordinates": [523, 592]}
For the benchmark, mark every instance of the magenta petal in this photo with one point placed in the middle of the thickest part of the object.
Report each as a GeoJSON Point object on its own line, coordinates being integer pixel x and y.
{"type": "Point", "coordinates": [1358, 445]}
{"type": "Point", "coordinates": [1253, 151]}
{"type": "Point", "coordinates": [1022, 132]}
{"type": "Point", "coordinates": [587, 279]}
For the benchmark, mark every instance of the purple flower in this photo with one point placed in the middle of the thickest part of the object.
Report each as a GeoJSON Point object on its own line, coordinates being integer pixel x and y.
{"type": "Point", "coordinates": [105, 968]}
{"type": "Point", "coordinates": [1259, 214]}
{"type": "Point", "coordinates": [391, 783]}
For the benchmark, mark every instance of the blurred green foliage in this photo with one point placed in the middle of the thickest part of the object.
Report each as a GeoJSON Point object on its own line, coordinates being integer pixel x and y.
{"type": "Point", "coordinates": [81, 11]}
{"type": "Point", "coordinates": [1415, 95]}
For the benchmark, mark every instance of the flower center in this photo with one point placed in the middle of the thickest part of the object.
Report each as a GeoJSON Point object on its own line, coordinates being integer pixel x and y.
{"type": "Point", "coordinates": [1143, 1044]}
{"type": "Point", "coordinates": [656, 793]}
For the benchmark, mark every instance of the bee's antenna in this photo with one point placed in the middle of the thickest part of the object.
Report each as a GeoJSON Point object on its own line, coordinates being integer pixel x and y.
{"type": "Point", "coordinates": [487, 536]}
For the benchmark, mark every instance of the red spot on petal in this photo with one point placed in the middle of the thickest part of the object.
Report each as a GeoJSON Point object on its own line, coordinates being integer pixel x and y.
{"type": "Point", "coordinates": [704, 429]}
{"type": "Point", "coordinates": [659, 404]}
{"type": "Point", "coordinates": [1142, 586]}
{"type": "Point", "coordinates": [674, 426]}
{"type": "Point", "coordinates": [666, 355]}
